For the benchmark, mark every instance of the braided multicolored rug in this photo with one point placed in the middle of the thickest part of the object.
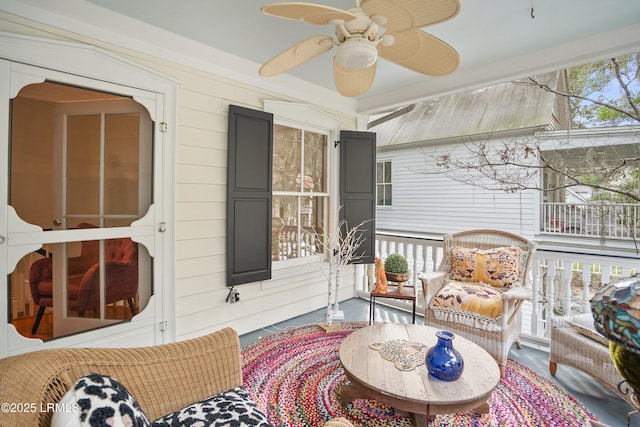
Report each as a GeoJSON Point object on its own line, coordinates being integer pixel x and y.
{"type": "Point", "coordinates": [295, 375]}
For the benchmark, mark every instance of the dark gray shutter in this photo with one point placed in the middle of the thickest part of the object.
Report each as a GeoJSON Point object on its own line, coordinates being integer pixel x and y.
{"type": "Point", "coordinates": [249, 164]}
{"type": "Point", "coordinates": [358, 187]}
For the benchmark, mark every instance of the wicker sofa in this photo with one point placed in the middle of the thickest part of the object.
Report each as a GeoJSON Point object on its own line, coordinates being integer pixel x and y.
{"type": "Point", "coordinates": [163, 378]}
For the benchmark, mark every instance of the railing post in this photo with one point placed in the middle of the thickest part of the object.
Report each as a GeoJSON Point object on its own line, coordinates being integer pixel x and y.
{"type": "Point", "coordinates": [550, 290]}
{"type": "Point", "coordinates": [535, 300]}
{"type": "Point", "coordinates": [586, 280]}
{"type": "Point", "coordinates": [566, 303]}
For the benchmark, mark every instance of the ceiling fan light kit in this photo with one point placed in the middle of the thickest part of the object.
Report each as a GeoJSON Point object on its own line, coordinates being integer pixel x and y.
{"type": "Point", "coordinates": [355, 54]}
{"type": "Point", "coordinates": [357, 39]}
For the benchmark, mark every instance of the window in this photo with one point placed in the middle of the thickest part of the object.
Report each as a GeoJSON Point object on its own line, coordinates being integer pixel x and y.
{"type": "Point", "coordinates": [300, 196]}
{"type": "Point", "coordinates": [383, 183]}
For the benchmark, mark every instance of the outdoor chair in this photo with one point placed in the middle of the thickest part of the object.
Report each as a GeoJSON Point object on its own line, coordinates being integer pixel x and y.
{"type": "Point", "coordinates": [575, 342]}
{"type": "Point", "coordinates": [477, 290]}
{"type": "Point", "coordinates": [83, 286]}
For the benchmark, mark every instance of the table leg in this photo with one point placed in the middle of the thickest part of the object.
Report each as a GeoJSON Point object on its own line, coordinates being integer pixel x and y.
{"type": "Point", "coordinates": [483, 409]}
{"type": "Point", "coordinates": [419, 420]}
{"type": "Point", "coordinates": [351, 392]}
{"type": "Point", "coordinates": [414, 311]}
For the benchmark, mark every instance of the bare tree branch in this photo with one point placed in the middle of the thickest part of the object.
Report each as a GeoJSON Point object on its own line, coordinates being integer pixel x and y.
{"type": "Point", "coordinates": [625, 87]}
{"type": "Point", "coordinates": [547, 88]}
{"type": "Point", "coordinates": [514, 166]}
{"type": "Point", "coordinates": [342, 245]}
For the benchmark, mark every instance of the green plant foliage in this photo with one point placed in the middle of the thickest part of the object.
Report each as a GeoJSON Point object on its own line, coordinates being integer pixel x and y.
{"type": "Point", "coordinates": [605, 93]}
{"type": "Point", "coordinates": [396, 263]}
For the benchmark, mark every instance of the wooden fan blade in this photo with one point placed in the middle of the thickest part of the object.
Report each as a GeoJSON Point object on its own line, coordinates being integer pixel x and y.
{"type": "Point", "coordinates": [296, 55]}
{"type": "Point", "coordinates": [307, 12]}
{"type": "Point", "coordinates": [421, 52]}
{"type": "Point", "coordinates": [404, 15]}
{"type": "Point", "coordinates": [353, 82]}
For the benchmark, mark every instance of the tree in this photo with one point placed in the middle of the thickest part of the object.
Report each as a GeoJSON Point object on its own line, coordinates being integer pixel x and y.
{"type": "Point", "coordinates": [605, 93]}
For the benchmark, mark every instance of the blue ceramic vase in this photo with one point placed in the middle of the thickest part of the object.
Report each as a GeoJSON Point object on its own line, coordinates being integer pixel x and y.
{"type": "Point", "coordinates": [443, 361]}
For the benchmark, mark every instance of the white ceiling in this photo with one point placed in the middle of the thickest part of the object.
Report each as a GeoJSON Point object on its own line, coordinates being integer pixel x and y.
{"type": "Point", "coordinates": [497, 40]}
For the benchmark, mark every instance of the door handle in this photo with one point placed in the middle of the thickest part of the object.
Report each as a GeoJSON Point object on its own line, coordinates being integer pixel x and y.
{"type": "Point", "coordinates": [57, 222]}
{"type": "Point", "coordinates": [2, 238]}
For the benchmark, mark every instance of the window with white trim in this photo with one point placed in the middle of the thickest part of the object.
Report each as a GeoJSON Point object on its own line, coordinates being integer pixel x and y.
{"type": "Point", "coordinates": [300, 193]}
{"type": "Point", "coordinates": [383, 183]}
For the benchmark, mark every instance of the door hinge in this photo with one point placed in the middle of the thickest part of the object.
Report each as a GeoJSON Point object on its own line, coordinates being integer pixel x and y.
{"type": "Point", "coordinates": [164, 325]}
{"type": "Point", "coordinates": [163, 127]}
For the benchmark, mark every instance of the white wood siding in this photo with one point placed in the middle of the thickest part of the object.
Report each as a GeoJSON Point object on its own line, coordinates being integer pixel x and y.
{"type": "Point", "coordinates": [431, 203]}
{"type": "Point", "coordinates": [200, 210]}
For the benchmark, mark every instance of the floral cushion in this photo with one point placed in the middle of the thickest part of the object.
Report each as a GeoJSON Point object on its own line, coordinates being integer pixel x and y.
{"type": "Point", "coordinates": [233, 408]}
{"type": "Point", "coordinates": [99, 401]}
{"type": "Point", "coordinates": [470, 297]}
{"type": "Point", "coordinates": [499, 267]}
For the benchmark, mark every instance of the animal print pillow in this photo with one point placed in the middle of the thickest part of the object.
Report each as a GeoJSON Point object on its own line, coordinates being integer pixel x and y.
{"type": "Point", "coordinates": [498, 267]}
{"type": "Point", "coordinates": [99, 401]}
{"type": "Point", "coordinates": [234, 407]}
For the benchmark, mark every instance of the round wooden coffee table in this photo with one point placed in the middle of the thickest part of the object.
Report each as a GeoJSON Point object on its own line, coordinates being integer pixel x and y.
{"type": "Point", "coordinates": [415, 391]}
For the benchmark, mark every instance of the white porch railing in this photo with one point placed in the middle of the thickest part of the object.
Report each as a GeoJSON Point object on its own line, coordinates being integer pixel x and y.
{"type": "Point", "coordinates": [595, 219]}
{"type": "Point", "coordinates": [563, 282]}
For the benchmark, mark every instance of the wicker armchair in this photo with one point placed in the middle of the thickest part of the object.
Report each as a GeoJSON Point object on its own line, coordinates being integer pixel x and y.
{"type": "Point", "coordinates": [478, 289]}
{"type": "Point", "coordinates": [574, 342]}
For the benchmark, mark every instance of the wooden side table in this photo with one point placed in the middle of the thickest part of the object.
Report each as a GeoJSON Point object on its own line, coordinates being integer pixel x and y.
{"type": "Point", "coordinates": [408, 293]}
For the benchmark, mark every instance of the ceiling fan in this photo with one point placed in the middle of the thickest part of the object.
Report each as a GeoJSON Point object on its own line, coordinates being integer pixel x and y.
{"type": "Point", "coordinates": [358, 44]}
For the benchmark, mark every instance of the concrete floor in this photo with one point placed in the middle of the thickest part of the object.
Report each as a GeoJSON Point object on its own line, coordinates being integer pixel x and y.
{"type": "Point", "coordinates": [606, 405]}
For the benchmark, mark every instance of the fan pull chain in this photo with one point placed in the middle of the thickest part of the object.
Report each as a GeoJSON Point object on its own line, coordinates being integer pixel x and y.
{"type": "Point", "coordinates": [533, 16]}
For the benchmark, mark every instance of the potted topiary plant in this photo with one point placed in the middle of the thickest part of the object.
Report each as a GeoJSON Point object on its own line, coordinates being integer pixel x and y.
{"type": "Point", "coordinates": [396, 269]}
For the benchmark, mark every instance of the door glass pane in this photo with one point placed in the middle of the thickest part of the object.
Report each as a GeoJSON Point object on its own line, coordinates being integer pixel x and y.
{"type": "Point", "coordinates": [25, 295]}
{"type": "Point", "coordinates": [31, 171]}
{"type": "Point", "coordinates": [122, 160]}
{"type": "Point", "coordinates": [113, 294]}
{"type": "Point", "coordinates": [83, 165]}
{"type": "Point", "coordinates": [123, 291]}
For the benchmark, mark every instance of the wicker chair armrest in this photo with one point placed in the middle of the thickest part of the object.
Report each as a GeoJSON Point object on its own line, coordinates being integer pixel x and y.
{"type": "Point", "coordinates": [558, 322]}
{"type": "Point", "coordinates": [431, 283]}
{"type": "Point", "coordinates": [511, 301]}
{"type": "Point", "coordinates": [517, 292]}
